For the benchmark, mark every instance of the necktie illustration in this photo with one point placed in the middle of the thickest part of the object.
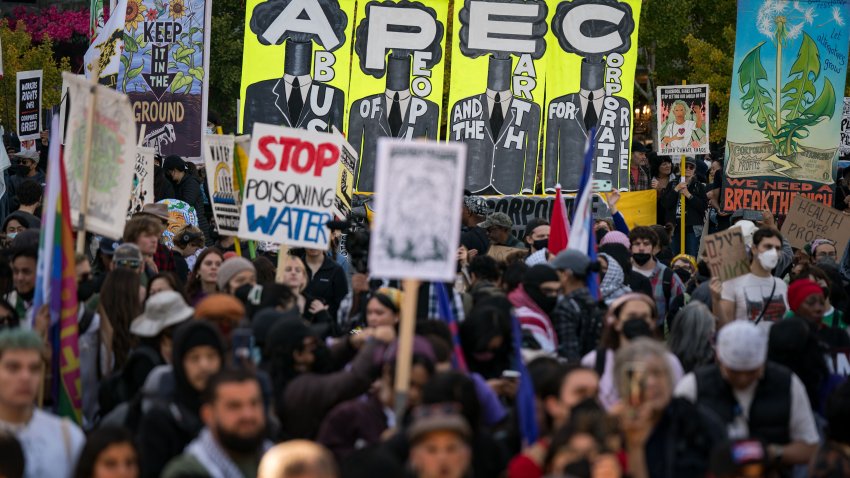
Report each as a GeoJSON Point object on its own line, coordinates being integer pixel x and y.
{"type": "Point", "coordinates": [590, 117]}
{"type": "Point", "coordinates": [497, 117]}
{"type": "Point", "coordinates": [395, 116]}
{"type": "Point", "coordinates": [295, 103]}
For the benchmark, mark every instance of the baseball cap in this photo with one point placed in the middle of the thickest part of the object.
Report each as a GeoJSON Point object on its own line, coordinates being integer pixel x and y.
{"type": "Point", "coordinates": [27, 154]}
{"type": "Point", "coordinates": [497, 219]}
{"type": "Point", "coordinates": [108, 246]}
{"type": "Point", "coordinates": [127, 255]}
{"type": "Point", "coordinates": [476, 204]}
{"type": "Point", "coordinates": [742, 346]}
{"type": "Point", "coordinates": [691, 160]}
{"type": "Point", "coordinates": [438, 417]}
{"type": "Point", "coordinates": [571, 260]}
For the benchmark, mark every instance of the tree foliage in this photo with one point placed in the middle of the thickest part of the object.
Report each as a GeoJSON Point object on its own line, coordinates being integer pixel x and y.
{"type": "Point", "coordinates": [20, 53]}
{"type": "Point", "coordinates": [711, 62]}
{"type": "Point", "coordinates": [228, 30]}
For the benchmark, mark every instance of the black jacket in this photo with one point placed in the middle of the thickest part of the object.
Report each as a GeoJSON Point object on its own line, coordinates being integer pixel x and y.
{"type": "Point", "coordinates": [189, 191]}
{"type": "Point", "coordinates": [328, 284]}
{"type": "Point", "coordinates": [694, 206]}
{"type": "Point", "coordinates": [681, 443]}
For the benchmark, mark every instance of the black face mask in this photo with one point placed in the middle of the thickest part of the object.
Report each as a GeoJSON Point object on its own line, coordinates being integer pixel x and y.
{"type": "Point", "coordinates": [540, 244]}
{"type": "Point", "coordinates": [20, 170]}
{"type": "Point", "coordinates": [683, 274]}
{"type": "Point", "coordinates": [578, 469]}
{"type": "Point", "coordinates": [641, 258]}
{"type": "Point", "coordinates": [86, 289]}
{"type": "Point", "coordinates": [600, 233]}
{"type": "Point", "coordinates": [634, 328]}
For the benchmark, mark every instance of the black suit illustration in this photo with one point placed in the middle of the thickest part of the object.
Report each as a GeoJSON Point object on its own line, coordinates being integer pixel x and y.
{"type": "Point", "coordinates": [267, 102]}
{"type": "Point", "coordinates": [421, 120]}
{"type": "Point", "coordinates": [503, 161]}
{"type": "Point", "coordinates": [566, 135]}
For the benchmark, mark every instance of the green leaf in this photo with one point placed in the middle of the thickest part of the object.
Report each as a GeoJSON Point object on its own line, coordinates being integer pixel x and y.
{"type": "Point", "coordinates": [805, 71]}
{"type": "Point", "coordinates": [130, 43]}
{"type": "Point", "coordinates": [126, 62]}
{"type": "Point", "coordinates": [172, 65]}
{"type": "Point", "coordinates": [135, 71]}
{"type": "Point", "coordinates": [824, 106]}
{"type": "Point", "coordinates": [798, 128]}
{"type": "Point", "coordinates": [183, 53]}
{"type": "Point", "coordinates": [140, 40]}
{"type": "Point", "coordinates": [175, 83]}
{"type": "Point", "coordinates": [197, 72]}
{"type": "Point", "coordinates": [194, 30]}
{"type": "Point", "coordinates": [756, 99]}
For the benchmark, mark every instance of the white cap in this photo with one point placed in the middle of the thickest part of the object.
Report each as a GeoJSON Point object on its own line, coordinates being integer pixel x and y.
{"type": "Point", "coordinates": [742, 346]}
{"type": "Point", "coordinates": [748, 228]}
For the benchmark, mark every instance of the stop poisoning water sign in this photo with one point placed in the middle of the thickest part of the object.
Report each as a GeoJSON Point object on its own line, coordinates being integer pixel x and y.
{"type": "Point", "coordinates": [290, 187]}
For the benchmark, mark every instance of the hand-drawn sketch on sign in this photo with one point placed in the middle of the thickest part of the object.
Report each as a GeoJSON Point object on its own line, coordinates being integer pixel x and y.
{"type": "Point", "coordinates": [682, 113]}
{"type": "Point", "coordinates": [219, 157]}
{"type": "Point", "coordinates": [417, 210]}
{"type": "Point", "coordinates": [142, 180]}
{"type": "Point", "coordinates": [599, 31]}
{"type": "Point", "coordinates": [345, 184]}
{"type": "Point", "coordinates": [412, 35]}
{"type": "Point", "coordinates": [107, 45]}
{"type": "Point", "coordinates": [302, 97]}
{"type": "Point", "coordinates": [112, 159]}
{"type": "Point", "coordinates": [844, 147]}
{"type": "Point", "coordinates": [501, 124]}
{"type": "Point", "coordinates": [180, 214]}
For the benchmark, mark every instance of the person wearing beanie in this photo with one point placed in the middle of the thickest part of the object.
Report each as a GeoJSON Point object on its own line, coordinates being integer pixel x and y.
{"type": "Point", "coordinates": [234, 273]}
{"type": "Point", "coordinates": [754, 397]}
{"type": "Point", "coordinates": [222, 310]}
{"type": "Point", "coordinates": [578, 317]}
{"type": "Point", "coordinates": [534, 300]}
{"type": "Point", "coordinates": [169, 425]}
{"type": "Point", "coordinates": [615, 237]}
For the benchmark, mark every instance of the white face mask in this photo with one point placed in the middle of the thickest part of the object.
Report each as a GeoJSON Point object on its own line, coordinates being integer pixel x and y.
{"type": "Point", "coordinates": [768, 259]}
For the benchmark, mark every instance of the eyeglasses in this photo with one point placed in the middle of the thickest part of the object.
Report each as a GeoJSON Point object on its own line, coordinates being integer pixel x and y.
{"type": "Point", "coordinates": [690, 166]}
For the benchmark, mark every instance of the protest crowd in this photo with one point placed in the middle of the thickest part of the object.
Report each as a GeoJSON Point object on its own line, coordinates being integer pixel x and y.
{"type": "Point", "coordinates": [633, 360]}
{"type": "Point", "coordinates": [514, 272]}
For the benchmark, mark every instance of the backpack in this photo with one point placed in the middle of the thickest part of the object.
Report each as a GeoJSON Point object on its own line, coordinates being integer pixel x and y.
{"type": "Point", "coordinates": [115, 388]}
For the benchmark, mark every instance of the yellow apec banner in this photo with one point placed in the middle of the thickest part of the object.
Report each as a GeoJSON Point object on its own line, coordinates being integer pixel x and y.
{"type": "Point", "coordinates": [592, 55]}
{"type": "Point", "coordinates": [397, 73]}
{"type": "Point", "coordinates": [496, 93]}
{"type": "Point", "coordinates": [296, 46]}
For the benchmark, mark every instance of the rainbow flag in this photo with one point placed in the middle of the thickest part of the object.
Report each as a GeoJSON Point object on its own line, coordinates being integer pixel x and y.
{"type": "Point", "coordinates": [56, 286]}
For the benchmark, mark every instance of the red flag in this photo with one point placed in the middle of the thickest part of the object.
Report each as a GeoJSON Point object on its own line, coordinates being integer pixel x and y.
{"type": "Point", "coordinates": [559, 234]}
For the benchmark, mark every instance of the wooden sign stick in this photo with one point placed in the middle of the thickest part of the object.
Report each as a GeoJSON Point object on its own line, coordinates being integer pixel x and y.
{"type": "Point", "coordinates": [282, 254]}
{"type": "Point", "coordinates": [404, 357]}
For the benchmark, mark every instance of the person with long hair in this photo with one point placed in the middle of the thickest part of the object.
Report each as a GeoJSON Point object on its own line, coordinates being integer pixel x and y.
{"type": "Point", "coordinates": [312, 309]}
{"type": "Point", "coordinates": [162, 282]}
{"type": "Point", "coordinates": [629, 317]}
{"type": "Point", "coordinates": [120, 303]}
{"type": "Point", "coordinates": [203, 280]}
{"type": "Point", "coordinates": [109, 453]}
{"type": "Point", "coordinates": [691, 337]}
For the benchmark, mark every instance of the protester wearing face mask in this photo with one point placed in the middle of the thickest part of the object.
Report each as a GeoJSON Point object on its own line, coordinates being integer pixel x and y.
{"type": "Point", "coordinates": [534, 301]}
{"type": "Point", "coordinates": [757, 296]}
{"type": "Point", "coordinates": [577, 318]}
{"type": "Point", "coordinates": [630, 317]}
{"type": "Point", "coordinates": [666, 286]}
{"type": "Point", "coordinates": [823, 250]}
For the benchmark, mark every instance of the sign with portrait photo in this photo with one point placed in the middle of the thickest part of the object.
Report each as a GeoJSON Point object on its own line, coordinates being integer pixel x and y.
{"type": "Point", "coordinates": [682, 113]}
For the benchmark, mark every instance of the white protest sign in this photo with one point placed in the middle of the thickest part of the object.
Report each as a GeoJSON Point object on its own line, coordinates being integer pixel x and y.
{"type": "Point", "coordinates": [112, 159]}
{"type": "Point", "coordinates": [418, 194]}
{"type": "Point", "coordinates": [142, 180]}
{"type": "Point", "coordinates": [290, 186]}
{"type": "Point", "coordinates": [221, 181]}
{"type": "Point", "coordinates": [28, 104]}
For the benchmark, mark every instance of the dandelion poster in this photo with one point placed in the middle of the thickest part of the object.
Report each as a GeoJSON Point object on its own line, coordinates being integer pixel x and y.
{"type": "Point", "coordinates": [164, 72]}
{"type": "Point", "coordinates": [786, 103]}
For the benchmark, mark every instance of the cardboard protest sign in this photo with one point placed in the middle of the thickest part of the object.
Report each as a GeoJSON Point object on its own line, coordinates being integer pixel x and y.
{"type": "Point", "coordinates": [165, 72]}
{"type": "Point", "coordinates": [396, 81]}
{"type": "Point", "coordinates": [682, 113]}
{"type": "Point", "coordinates": [345, 183]}
{"type": "Point", "coordinates": [808, 220]}
{"type": "Point", "coordinates": [28, 104]}
{"type": "Point", "coordinates": [592, 59]}
{"type": "Point", "coordinates": [726, 255]}
{"type": "Point", "coordinates": [142, 180]}
{"type": "Point", "coordinates": [290, 187]}
{"type": "Point", "coordinates": [112, 159]}
{"type": "Point", "coordinates": [784, 114]}
{"type": "Point", "coordinates": [501, 137]}
{"type": "Point", "coordinates": [844, 145]}
{"type": "Point", "coordinates": [501, 253]}
{"type": "Point", "coordinates": [219, 156]}
{"type": "Point", "coordinates": [417, 210]}
{"type": "Point", "coordinates": [296, 40]}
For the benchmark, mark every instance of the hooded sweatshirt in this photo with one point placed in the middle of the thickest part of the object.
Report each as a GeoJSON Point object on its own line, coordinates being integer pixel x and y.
{"type": "Point", "coordinates": [171, 424]}
{"type": "Point", "coordinates": [531, 309]}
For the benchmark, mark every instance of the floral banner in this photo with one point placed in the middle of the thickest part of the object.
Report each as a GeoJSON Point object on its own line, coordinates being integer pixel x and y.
{"type": "Point", "coordinates": [784, 112]}
{"type": "Point", "coordinates": [164, 72]}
